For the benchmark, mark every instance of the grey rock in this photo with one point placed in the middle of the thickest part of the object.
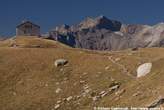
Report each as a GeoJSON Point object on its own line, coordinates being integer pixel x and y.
{"type": "Point", "coordinates": [59, 101]}
{"type": "Point", "coordinates": [95, 98]}
{"type": "Point", "coordinates": [46, 85]}
{"type": "Point", "coordinates": [69, 98]}
{"type": "Point", "coordinates": [58, 90]}
{"type": "Point", "coordinates": [120, 92]}
{"type": "Point", "coordinates": [156, 103]}
{"type": "Point", "coordinates": [56, 106]}
{"type": "Point", "coordinates": [103, 93]}
{"type": "Point", "coordinates": [134, 49]}
{"type": "Point", "coordinates": [137, 94]}
{"type": "Point", "coordinates": [82, 82]}
{"type": "Point", "coordinates": [78, 97]}
{"type": "Point", "coordinates": [114, 88]}
{"type": "Point", "coordinates": [85, 73]}
{"type": "Point", "coordinates": [14, 93]}
{"type": "Point", "coordinates": [107, 68]}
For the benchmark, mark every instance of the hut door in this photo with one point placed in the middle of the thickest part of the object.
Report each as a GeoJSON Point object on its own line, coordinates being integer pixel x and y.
{"type": "Point", "coordinates": [28, 30]}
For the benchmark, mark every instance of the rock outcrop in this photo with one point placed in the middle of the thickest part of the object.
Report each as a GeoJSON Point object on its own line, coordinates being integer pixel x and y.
{"type": "Point", "coordinates": [157, 103]}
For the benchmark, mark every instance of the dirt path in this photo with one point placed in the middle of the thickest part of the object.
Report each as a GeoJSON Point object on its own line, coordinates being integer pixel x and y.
{"type": "Point", "coordinates": [123, 68]}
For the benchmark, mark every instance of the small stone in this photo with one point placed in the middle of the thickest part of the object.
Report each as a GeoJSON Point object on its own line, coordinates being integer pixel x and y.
{"type": "Point", "coordinates": [114, 87]}
{"type": "Point", "coordinates": [102, 92]}
{"type": "Point", "coordinates": [46, 85]}
{"type": "Point", "coordinates": [28, 92]}
{"type": "Point", "coordinates": [65, 79]}
{"type": "Point", "coordinates": [74, 84]}
{"type": "Point", "coordinates": [134, 49]}
{"type": "Point", "coordinates": [93, 93]}
{"type": "Point", "coordinates": [117, 98]}
{"type": "Point", "coordinates": [81, 77]}
{"type": "Point", "coordinates": [64, 99]}
{"type": "Point", "coordinates": [86, 87]}
{"type": "Point", "coordinates": [85, 73]}
{"type": "Point", "coordinates": [120, 92]}
{"type": "Point", "coordinates": [110, 57]}
{"type": "Point", "coordinates": [78, 103]}
{"type": "Point", "coordinates": [57, 83]}
{"type": "Point", "coordinates": [117, 59]}
{"type": "Point", "coordinates": [61, 69]}
{"type": "Point", "coordinates": [87, 90]}
{"type": "Point", "coordinates": [58, 90]}
{"type": "Point", "coordinates": [107, 68]}
{"type": "Point", "coordinates": [129, 54]}
{"type": "Point", "coordinates": [82, 82]}
{"type": "Point", "coordinates": [95, 98]}
{"type": "Point", "coordinates": [58, 102]}
{"type": "Point", "coordinates": [69, 98]}
{"type": "Point", "coordinates": [112, 79]}
{"type": "Point", "coordinates": [83, 94]}
{"type": "Point", "coordinates": [56, 106]}
{"type": "Point", "coordinates": [97, 75]}
{"type": "Point", "coordinates": [77, 97]}
{"type": "Point", "coordinates": [157, 103]}
{"type": "Point", "coordinates": [14, 93]}
{"type": "Point", "coordinates": [136, 94]}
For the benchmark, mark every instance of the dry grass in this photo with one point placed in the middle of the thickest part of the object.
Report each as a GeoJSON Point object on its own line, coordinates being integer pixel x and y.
{"type": "Point", "coordinates": [28, 77]}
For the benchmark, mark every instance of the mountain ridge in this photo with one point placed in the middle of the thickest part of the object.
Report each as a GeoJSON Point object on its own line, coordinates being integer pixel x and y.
{"type": "Point", "coordinates": [101, 33]}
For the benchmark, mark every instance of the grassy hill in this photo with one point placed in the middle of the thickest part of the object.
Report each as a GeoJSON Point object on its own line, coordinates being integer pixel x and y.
{"type": "Point", "coordinates": [29, 79]}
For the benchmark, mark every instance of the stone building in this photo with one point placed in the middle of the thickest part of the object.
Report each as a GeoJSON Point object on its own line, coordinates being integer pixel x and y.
{"type": "Point", "coordinates": [27, 28]}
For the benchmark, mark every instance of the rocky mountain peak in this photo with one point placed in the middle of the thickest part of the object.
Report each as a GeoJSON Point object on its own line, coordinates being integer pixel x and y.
{"type": "Point", "coordinates": [132, 28]}
{"type": "Point", "coordinates": [87, 23]}
{"type": "Point", "coordinates": [100, 22]}
{"type": "Point", "coordinates": [101, 18]}
{"type": "Point", "coordinates": [63, 28]}
{"type": "Point", "coordinates": [159, 25]}
{"type": "Point", "coordinates": [105, 23]}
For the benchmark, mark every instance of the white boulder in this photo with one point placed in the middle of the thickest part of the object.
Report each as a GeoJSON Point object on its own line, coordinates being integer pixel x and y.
{"type": "Point", "coordinates": [144, 69]}
{"type": "Point", "coordinates": [58, 90]}
{"type": "Point", "coordinates": [56, 106]}
{"type": "Point", "coordinates": [60, 62]}
{"type": "Point", "coordinates": [69, 98]}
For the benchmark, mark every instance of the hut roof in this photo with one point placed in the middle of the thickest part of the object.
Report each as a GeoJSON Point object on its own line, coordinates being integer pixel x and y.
{"type": "Point", "coordinates": [23, 23]}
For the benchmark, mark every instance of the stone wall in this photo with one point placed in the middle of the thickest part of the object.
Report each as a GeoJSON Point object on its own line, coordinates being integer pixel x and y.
{"type": "Point", "coordinates": [28, 30]}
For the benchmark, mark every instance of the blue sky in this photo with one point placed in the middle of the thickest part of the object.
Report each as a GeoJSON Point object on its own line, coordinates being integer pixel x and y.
{"type": "Point", "coordinates": [50, 13]}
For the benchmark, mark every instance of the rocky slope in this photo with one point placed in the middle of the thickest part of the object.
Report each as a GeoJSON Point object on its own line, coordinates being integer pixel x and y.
{"type": "Point", "coordinates": [102, 33]}
{"type": "Point", "coordinates": [39, 74]}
